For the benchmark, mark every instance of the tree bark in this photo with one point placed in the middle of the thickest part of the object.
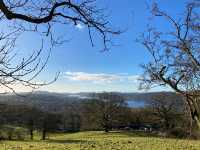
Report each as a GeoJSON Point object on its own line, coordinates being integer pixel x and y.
{"type": "Point", "coordinates": [44, 134]}
{"type": "Point", "coordinates": [31, 134]}
{"type": "Point", "coordinates": [44, 130]}
{"type": "Point", "coordinates": [31, 128]}
{"type": "Point", "coordinates": [197, 122]}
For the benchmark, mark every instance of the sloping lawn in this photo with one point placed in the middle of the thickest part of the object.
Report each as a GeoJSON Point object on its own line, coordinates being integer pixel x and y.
{"type": "Point", "coordinates": [101, 141]}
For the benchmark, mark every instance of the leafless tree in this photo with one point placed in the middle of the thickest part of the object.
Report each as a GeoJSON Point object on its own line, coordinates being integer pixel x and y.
{"type": "Point", "coordinates": [43, 17]}
{"type": "Point", "coordinates": [176, 55]}
{"type": "Point", "coordinates": [166, 109]}
{"type": "Point", "coordinates": [111, 108]}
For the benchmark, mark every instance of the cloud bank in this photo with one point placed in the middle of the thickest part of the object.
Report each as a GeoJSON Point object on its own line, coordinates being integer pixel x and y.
{"type": "Point", "coordinates": [100, 77]}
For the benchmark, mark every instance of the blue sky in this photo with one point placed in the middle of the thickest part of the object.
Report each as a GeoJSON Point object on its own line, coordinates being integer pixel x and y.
{"type": "Point", "coordinates": [84, 68]}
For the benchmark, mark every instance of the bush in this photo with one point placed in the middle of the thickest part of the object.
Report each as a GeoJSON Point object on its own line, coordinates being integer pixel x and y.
{"type": "Point", "coordinates": [178, 133]}
{"type": "Point", "coordinates": [3, 135]}
{"type": "Point", "coordinates": [184, 133]}
{"type": "Point", "coordinates": [9, 132]}
{"type": "Point", "coordinates": [195, 135]}
{"type": "Point", "coordinates": [20, 133]}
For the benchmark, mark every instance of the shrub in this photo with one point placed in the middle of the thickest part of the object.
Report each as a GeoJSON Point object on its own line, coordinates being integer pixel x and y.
{"type": "Point", "coordinates": [183, 133]}
{"type": "Point", "coordinates": [178, 133]}
{"type": "Point", "coordinates": [9, 132]}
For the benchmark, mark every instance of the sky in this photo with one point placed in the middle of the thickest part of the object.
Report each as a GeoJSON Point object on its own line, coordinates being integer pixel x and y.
{"type": "Point", "coordinates": [84, 68]}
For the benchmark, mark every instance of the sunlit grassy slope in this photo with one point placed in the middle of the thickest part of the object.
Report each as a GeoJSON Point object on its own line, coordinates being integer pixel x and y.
{"type": "Point", "coordinates": [102, 141]}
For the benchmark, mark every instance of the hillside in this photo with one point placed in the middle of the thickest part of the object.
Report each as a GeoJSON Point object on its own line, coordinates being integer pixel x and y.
{"type": "Point", "coordinates": [56, 101]}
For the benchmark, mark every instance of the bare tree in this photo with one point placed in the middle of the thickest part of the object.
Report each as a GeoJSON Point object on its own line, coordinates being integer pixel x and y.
{"type": "Point", "coordinates": [166, 109]}
{"type": "Point", "coordinates": [110, 108]}
{"type": "Point", "coordinates": [176, 55]}
{"type": "Point", "coordinates": [43, 17]}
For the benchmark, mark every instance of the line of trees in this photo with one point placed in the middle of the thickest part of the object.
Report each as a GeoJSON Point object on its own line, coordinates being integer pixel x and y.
{"type": "Point", "coordinates": [104, 111]}
{"type": "Point", "coordinates": [29, 118]}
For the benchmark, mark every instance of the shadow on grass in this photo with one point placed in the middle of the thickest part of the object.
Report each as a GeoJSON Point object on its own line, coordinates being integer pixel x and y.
{"type": "Point", "coordinates": [135, 134]}
{"type": "Point", "coordinates": [68, 141]}
{"type": "Point", "coordinates": [58, 141]}
{"type": "Point", "coordinates": [142, 134]}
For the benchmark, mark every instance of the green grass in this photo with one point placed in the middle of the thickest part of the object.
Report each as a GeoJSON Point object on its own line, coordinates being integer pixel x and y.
{"type": "Point", "coordinates": [102, 141]}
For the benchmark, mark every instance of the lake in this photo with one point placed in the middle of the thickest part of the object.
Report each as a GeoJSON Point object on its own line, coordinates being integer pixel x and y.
{"type": "Point", "coordinates": [136, 103]}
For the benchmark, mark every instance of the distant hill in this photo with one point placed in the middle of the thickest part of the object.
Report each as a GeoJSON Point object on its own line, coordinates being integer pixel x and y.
{"type": "Point", "coordinates": [57, 101]}
{"type": "Point", "coordinates": [42, 100]}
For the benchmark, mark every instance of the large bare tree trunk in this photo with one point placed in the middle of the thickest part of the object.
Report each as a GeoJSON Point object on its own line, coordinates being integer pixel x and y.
{"type": "Point", "coordinates": [192, 103]}
{"type": "Point", "coordinates": [197, 122]}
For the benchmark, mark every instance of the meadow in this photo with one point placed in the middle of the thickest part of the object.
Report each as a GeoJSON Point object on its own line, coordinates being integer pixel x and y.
{"type": "Point", "coordinates": [97, 140]}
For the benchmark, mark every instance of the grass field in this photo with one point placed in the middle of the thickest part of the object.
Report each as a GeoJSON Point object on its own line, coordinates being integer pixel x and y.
{"type": "Point", "coordinates": [101, 141]}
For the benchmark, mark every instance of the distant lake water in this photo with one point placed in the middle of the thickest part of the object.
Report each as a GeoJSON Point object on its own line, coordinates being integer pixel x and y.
{"type": "Point", "coordinates": [136, 103]}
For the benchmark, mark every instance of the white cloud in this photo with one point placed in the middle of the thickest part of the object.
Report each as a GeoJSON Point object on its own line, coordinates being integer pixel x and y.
{"type": "Point", "coordinates": [83, 76]}
{"type": "Point", "coordinates": [100, 77]}
{"type": "Point", "coordinates": [134, 78]}
{"type": "Point", "coordinates": [79, 26]}
{"type": "Point", "coordinates": [16, 87]}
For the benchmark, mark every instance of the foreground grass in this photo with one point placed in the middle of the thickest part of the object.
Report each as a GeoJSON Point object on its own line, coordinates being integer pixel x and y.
{"type": "Point", "coordinates": [102, 141]}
